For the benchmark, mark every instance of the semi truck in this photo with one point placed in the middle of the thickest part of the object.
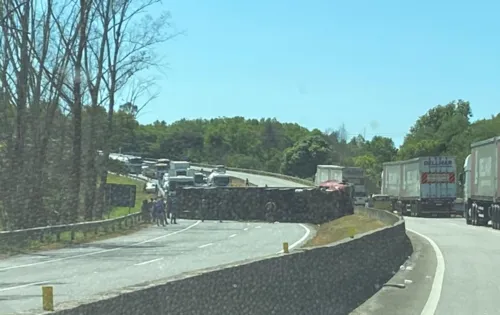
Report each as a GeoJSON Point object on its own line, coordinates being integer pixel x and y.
{"type": "Point", "coordinates": [353, 175]}
{"type": "Point", "coordinates": [421, 186]}
{"type": "Point", "coordinates": [481, 183]}
{"type": "Point", "coordinates": [216, 179]}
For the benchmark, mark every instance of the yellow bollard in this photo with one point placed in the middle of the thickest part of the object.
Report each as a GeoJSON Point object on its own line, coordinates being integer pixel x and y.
{"type": "Point", "coordinates": [285, 247]}
{"type": "Point", "coordinates": [48, 299]}
{"type": "Point", "coordinates": [351, 232]}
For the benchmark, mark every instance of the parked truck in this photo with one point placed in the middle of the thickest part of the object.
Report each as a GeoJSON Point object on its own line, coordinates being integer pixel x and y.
{"type": "Point", "coordinates": [353, 175]}
{"type": "Point", "coordinates": [421, 186]}
{"type": "Point", "coordinates": [481, 182]}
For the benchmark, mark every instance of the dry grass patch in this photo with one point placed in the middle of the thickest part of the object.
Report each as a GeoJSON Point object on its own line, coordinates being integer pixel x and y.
{"type": "Point", "coordinates": [238, 182]}
{"type": "Point", "coordinates": [344, 227]}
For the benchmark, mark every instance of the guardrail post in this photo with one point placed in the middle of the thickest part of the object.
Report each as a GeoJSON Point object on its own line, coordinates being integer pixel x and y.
{"type": "Point", "coordinates": [351, 232]}
{"type": "Point", "coordinates": [48, 298]}
{"type": "Point", "coordinates": [285, 248]}
{"type": "Point", "coordinates": [72, 235]}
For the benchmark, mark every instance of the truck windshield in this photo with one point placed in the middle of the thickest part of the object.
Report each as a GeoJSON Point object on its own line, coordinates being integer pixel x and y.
{"type": "Point", "coordinates": [161, 168]}
{"type": "Point", "coordinates": [221, 181]}
{"type": "Point", "coordinates": [356, 181]}
{"type": "Point", "coordinates": [135, 161]}
{"type": "Point", "coordinates": [198, 178]}
{"type": "Point", "coordinates": [359, 194]}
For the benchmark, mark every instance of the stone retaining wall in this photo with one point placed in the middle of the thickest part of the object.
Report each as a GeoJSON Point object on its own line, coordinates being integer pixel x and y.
{"type": "Point", "coordinates": [332, 280]}
{"type": "Point", "coordinates": [309, 205]}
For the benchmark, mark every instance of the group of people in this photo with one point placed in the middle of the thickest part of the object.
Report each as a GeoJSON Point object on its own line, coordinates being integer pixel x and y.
{"type": "Point", "coordinates": [157, 211]}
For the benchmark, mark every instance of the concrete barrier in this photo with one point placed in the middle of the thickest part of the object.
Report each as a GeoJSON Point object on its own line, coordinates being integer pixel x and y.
{"type": "Point", "coordinates": [381, 215]}
{"type": "Point", "coordinates": [331, 279]}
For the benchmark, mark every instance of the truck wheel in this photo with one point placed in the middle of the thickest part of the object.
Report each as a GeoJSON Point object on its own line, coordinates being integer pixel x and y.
{"type": "Point", "coordinates": [466, 215]}
{"type": "Point", "coordinates": [494, 218]}
{"type": "Point", "coordinates": [474, 216]}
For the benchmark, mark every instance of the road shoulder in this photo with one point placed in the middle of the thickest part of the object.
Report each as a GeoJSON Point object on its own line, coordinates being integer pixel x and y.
{"type": "Point", "coordinates": [408, 290]}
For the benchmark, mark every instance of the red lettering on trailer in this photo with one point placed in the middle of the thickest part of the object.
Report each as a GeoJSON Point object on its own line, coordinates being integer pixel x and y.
{"type": "Point", "coordinates": [451, 178]}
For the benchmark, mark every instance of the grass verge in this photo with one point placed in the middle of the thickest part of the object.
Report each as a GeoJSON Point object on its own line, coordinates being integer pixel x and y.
{"type": "Point", "coordinates": [344, 227]}
{"type": "Point", "coordinates": [50, 242]}
{"type": "Point", "coordinates": [140, 195]}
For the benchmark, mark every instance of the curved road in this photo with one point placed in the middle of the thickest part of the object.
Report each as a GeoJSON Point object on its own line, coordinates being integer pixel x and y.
{"type": "Point", "coordinates": [88, 270]}
{"type": "Point", "coordinates": [454, 270]}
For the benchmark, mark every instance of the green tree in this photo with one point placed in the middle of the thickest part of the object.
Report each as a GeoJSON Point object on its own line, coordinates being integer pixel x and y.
{"type": "Point", "coordinates": [302, 159]}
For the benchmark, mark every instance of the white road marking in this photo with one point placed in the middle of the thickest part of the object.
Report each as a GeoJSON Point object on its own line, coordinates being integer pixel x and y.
{"type": "Point", "coordinates": [99, 252]}
{"type": "Point", "coordinates": [245, 229]}
{"type": "Point", "coordinates": [233, 235]}
{"type": "Point", "coordinates": [258, 227]}
{"type": "Point", "coordinates": [209, 244]}
{"type": "Point", "coordinates": [437, 283]}
{"type": "Point", "coordinates": [148, 262]}
{"type": "Point", "coordinates": [300, 240]}
{"type": "Point", "coordinates": [25, 285]}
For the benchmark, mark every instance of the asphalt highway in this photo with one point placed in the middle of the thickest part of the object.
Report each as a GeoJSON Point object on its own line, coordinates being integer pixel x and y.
{"type": "Point", "coordinates": [262, 180]}
{"type": "Point", "coordinates": [454, 270]}
{"type": "Point", "coordinates": [94, 269]}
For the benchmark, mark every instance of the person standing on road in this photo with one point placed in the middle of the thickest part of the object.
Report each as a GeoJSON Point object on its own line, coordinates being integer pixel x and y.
{"type": "Point", "coordinates": [203, 208]}
{"type": "Point", "coordinates": [218, 209]}
{"type": "Point", "coordinates": [159, 212]}
{"type": "Point", "coordinates": [145, 211]}
{"type": "Point", "coordinates": [173, 209]}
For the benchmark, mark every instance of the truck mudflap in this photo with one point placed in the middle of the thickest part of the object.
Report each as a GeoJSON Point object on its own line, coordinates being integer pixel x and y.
{"type": "Point", "coordinates": [433, 207]}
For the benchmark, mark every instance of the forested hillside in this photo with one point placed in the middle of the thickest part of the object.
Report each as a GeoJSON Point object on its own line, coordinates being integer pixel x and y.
{"type": "Point", "coordinates": [270, 145]}
{"type": "Point", "coordinates": [70, 76]}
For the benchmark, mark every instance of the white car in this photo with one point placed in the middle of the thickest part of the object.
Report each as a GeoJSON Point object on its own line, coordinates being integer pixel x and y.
{"type": "Point", "coordinates": [151, 188]}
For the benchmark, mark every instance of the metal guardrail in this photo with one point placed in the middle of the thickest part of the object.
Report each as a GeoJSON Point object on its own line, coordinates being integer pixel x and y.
{"type": "Point", "coordinates": [42, 234]}
{"type": "Point", "coordinates": [56, 232]}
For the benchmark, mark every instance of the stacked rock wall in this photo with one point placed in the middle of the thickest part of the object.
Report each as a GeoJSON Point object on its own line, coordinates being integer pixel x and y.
{"type": "Point", "coordinates": [310, 205]}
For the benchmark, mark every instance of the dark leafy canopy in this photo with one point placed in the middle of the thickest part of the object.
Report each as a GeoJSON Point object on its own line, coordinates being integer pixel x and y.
{"type": "Point", "coordinates": [264, 144]}
{"type": "Point", "coordinates": [288, 148]}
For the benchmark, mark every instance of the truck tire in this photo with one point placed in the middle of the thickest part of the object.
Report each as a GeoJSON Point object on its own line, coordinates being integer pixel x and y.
{"type": "Point", "coordinates": [467, 207]}
{"type": "Point", "coordinates": [495, 213]}
{"type": "Point", "coordinates": [474, 217]}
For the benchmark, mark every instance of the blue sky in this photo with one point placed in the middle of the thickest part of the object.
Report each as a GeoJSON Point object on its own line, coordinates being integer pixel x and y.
{"type": "Point", "coordinates": [374, 66]}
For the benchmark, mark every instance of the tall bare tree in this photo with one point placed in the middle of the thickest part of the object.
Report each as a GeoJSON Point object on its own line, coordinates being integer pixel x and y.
{"type": "Point", "coordinates": [132, 37]}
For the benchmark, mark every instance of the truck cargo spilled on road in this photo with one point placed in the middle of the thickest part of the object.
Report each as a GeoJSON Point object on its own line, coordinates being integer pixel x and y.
{"type": "Point", "coordinates": [307, 204]}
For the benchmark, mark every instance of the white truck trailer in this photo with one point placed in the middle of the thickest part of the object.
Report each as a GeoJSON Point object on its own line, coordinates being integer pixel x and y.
{"type": "Point", "coordinates": [180, 168]}
{"type": "Point", "coordinates": [481, 182]}
{"type": "Point", "coordinates": [353, 175]}
{"type": "Point", "coordinates": [421, 186]}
